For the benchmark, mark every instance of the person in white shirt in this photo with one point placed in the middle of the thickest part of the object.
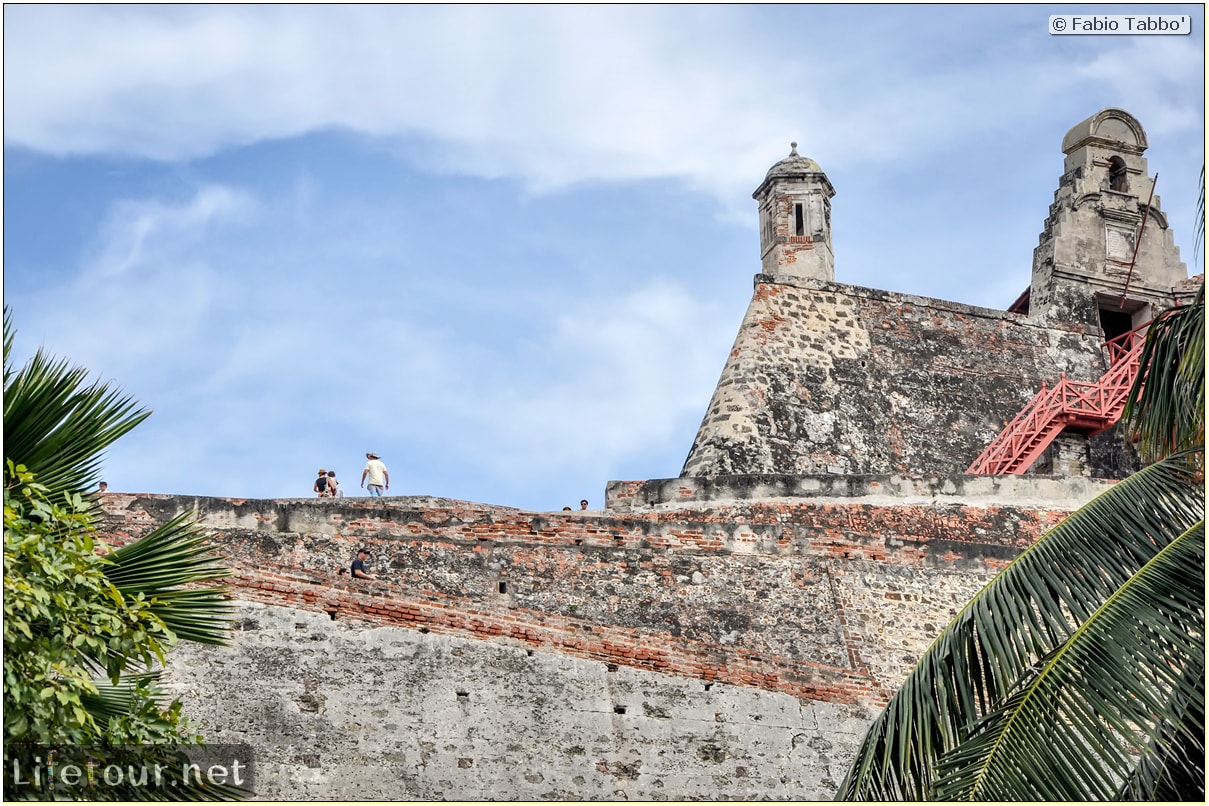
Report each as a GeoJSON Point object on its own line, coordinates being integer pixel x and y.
{"type": "Point", "coordinates": [375, 473]}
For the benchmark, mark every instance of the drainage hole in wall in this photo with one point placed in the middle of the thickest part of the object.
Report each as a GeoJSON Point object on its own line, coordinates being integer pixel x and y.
{"type": "Point", "coordinates": [333, 613]}
{"type": "Point", "coordinates": [529, 652]}
{"type": "Point", "coordinates": [463, 696]}
{"type": "Point", "coordinates": [424, 630]}
{"type": "Point", "coordinates": [708, 686]}
{"type": "Point", "coordinates": [503, 587]}
{"type": "Point", "coordinates": [579, 541]}
{"type": "Point", "coordinates": [612, 667]}
{"type": "Point", "coordinates": [619, 709]}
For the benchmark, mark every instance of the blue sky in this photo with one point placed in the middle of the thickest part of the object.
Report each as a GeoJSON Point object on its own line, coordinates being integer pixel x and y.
{"type": "Point", "coordinates": [509, 248]}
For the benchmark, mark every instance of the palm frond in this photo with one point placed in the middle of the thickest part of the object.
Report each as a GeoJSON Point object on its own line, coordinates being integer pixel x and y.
{"type": "Point", "coordinates": [57, 424]}
{"type": "Point", "coordinates": [1009, 629]}
{"type": "Point", "coordinates": [1166, 405]}
{"type": "Point", "coordinates": [1173, 765]}
{"type": "Point", "coordinates": [118, 699]}
{"type": "Point", "coordinates": [9, 334]}
{"type": "Point", "coordinates": [173, 570]}
{"type": "Point", "coordinates": [1098, 697]}
{"type": "Point", "coordinates": [1200, 217]}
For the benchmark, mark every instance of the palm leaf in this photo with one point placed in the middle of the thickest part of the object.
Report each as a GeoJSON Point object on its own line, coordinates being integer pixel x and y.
{"type": "Point", "coordinates": [9, 334]}
{"type": "Point", "coordinates": [1073, 705]}
{"type": "Point", "coordinates": [1200, 217]}
{"type": "Point", "coordinates": [1166, 405]}
{"type": "Point", "coordinates": [117, 699]}
{"type": "Point", "coordinates": [172, 569]}
{"type": "Point", "coordinates": [1174, 763]}
{"type": "Point", "coordinates": [58, 425]}
{"type": "Point", "coordinates": [1007, 632]}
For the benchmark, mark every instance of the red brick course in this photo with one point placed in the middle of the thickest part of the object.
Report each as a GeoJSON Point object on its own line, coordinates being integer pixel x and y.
{"type": "Point", "coordinates": [779, 595]}
{"type": "Point", "coordinates": [381, 602]}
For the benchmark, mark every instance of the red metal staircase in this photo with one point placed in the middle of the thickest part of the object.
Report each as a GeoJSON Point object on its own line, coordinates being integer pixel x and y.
{"type": "Point", "coordinates": [1086, 408]}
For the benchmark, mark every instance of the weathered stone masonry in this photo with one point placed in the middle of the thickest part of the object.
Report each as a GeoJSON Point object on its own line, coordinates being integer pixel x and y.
{"type": "Point", "coordinates": [853, 380]}
{"type": "Point", "coordinates": [826, 598]}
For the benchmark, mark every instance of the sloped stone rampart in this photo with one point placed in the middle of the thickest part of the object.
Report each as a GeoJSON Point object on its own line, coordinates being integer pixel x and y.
{"type": "Point", "coordinates": [839, 379]}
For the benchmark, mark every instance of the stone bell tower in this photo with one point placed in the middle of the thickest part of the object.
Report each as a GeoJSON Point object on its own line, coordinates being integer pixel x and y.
{"type": "Point", "coordinates": [1106, 257]}
{"type": "Point", "coordinates": [795, 220]}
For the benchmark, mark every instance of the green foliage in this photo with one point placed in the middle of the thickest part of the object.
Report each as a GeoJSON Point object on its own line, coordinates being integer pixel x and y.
{"type": "Point", "coordinates": [85, 627]}
{"type": "Point", "coordinates": [1200, 218]}
{"type": "Point", "coordinates": [64, 622]}
{"type": "Point", "coordinates": [156, 569]}
{"type": "Point", "coordinates": [1166, 408]}
{"type": "Point", "coordinates": [71, 637]}
{"type": "Point", "coordinates": [58, 425]}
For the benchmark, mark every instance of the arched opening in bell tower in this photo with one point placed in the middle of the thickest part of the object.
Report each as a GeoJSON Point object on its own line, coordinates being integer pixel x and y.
{"type": "Point", "coordinates": [1118, 177]}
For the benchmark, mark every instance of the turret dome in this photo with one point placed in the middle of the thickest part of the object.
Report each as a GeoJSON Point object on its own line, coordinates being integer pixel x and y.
{"type": "Point", "coordinates": [793, 166]}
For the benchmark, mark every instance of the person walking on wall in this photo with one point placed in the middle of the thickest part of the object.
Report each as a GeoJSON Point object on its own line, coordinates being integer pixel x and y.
{"type": "Point", "coordinates": [320, 487]}
{"type": "Point", "coordinates": [333, 486]}
{"type": "Point", "coordinates": [375, 473]}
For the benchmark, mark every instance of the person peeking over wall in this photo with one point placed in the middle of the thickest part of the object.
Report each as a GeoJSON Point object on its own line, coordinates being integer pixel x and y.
{"type": "Point", "coordinates": [358, 569]}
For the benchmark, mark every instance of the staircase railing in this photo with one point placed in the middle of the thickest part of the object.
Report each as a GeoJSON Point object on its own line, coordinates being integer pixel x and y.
{"type": "Point", "coordinates": [1069, 405]}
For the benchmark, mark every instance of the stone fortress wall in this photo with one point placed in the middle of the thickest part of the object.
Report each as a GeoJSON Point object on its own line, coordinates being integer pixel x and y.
{"type": "Point", "coordinates": [731, 644]}
{"type": "Point", "coordinates": [727, 634]}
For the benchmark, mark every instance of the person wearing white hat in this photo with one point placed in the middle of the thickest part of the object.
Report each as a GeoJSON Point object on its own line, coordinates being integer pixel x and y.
{"type": "Point", "coordinates": [375, 473]}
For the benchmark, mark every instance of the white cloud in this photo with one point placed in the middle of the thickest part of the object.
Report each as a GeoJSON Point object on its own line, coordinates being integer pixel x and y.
{"type": "Point", "coordinates": [240, 362]}
{"type": "Point", "coordinates": [1160, 80]}
{"type": "Point", "coordinates": [603, 379]}
{"type": "Point", "coordinates": [146, 278]}
{"type": "Point", "coordinates": [625, 370]}
{"type": "Point", "coordinates": [148, 234]}
{"type": "Point", "coordinates": [557, 95]}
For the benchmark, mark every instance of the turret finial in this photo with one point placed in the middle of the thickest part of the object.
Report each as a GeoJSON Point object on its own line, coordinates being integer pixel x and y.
{"type": "Point", "coordinates": [793, 149]}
